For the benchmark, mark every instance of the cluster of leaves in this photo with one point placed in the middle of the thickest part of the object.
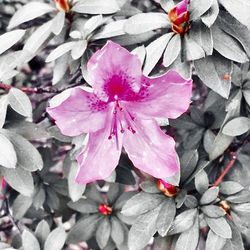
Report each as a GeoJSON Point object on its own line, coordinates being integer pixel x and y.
{"type": "Point", "coordinates": [44, 48]}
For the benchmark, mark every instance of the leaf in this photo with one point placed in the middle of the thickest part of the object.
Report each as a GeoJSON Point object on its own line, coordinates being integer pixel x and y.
{"type": "Point", "coordinates": [209, 196]}
{"type": "Point", "coordinates": [237, 126]}
{"type": "Point", "coordinates": [201, 182]}
{"type": "Point", "coordinates": [10, 38]}
{"type": "Point", "coordinates": [20, 206]}
{"type": "Point", "coordinates": [84, 229]}
{"type": "Point", "coordinates": [149, 187]}
{"type": "Point", "coordinates": [141, 203]}
{"type": "Point", "coordinates": [211, 15]}
{"type": "Point", "coordinates": [38, 38]}
{"type": "Point", "coordinates": [3, 109]}
{"type": "Point", "coordinates": [240, 10]}
{"type": "Point", "coordinates": [189, 240]}
{"type": "Point", "coordinates": [60, 50]}
{"type": "Point", "coordinates": [193, 49]}
{"type": "Point", "coordinates": [20, 180]}
{"type": "Point", "coordinates": [58, 22]}
{"type": "Point", "coordinates": [220, 227]}
{"type": "Point", "coordinates": [92, 24]}
{"type": "Point", "coordinates": [110, 30]}
{"type": "Point", "coordinates": [117, 231]}
{"type": "Point", "coordinates": [55, 240]}
{"type": "Point", "coordinates": [103, 232]}
{"type": "Point", "coordinates": [202, 36]}
{"type": "Point", "coordinates": [28, 157]}
{"type": "Point", "coordinates": [199, 7]}
{"type": "Point", "coordinates": [227, 46]}
{"type": "Point", "coordinates": [191, 201]}
{"type": "Point", "coordinates": [96, 7]}
{"type": "Point", "coordinates": [213, 211]}
{"type": "Point", "coordinates": [29, 12]}
{"type": "Point", "coordinates": [29, 241]}
{"type": "Point", "coordinates": [214, 241]}
{"type": "Point", "coordinates": [140, 52]}
{"type": "Point", "coordinates": [143, 230]}
{"type": "Point", "coordinates": [172, 51]}
{"type": "Point", "coordinates": [84, 206]}
{"type": "Point", "coordinates": [208, 140]}
{"type": "Point", "coordinates": [230, 187]}
{"type": "Point", "coordinates": [183, 221]}
{"type": "Point", "coordinates": [154, 52]}
{"type": "Point", "coordinates": [20, 102]}
{"type": "Point", "coordinates": [212, 71]}
{"type": "Point", "coordinates": [59, 70]}
{"type": "Point", "coordinates": [243, 196]}
{"type": "Point", "coordinates": [8, 156]}
{"type": "Point", "coordinates": [144, 22]}
{"type": "Point", "coordinates": [79, 49]}
{"type": "Point", "coordinates": [235, 29]}
{"type": "Point", "coordinates": [75, 190]}
{"type": "Point", "coordinates": [188, 162]}
{"type": "Point", "coordinates": [42, 232]}
{"type": "Point", "coordinates": [166, 216]}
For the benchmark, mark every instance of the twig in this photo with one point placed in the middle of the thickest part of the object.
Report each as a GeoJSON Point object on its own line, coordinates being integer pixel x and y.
{"type": "Point", "coordinates": [29, 90]}
{"type": "Point", "coordinates": [226, 170]}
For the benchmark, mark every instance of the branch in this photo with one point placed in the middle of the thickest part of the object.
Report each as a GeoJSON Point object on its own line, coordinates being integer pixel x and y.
{"type": "Point", "coordinates": [28, 90]}
{"type": "Point", "coordinates": [226, 170]}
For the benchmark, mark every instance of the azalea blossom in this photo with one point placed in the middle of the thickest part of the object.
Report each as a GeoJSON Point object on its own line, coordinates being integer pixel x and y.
{"type": "Point", "coordinates": [120, 111]}
{"type": "Point", "coordinates": [179, 17]}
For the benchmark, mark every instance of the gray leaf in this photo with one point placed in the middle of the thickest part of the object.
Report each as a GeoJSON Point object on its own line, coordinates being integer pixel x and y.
{"type": "Point", "coordinates": [144, 22]}
{"type": "Point", "coordinates": [193, 49]}
{"type": "Point", "coordinates": [20, 102]}
{"type": "Point", "coordinates": [209, 196]}
{"type": "Point", "coordinates": [220, 227]}
{"type": "Point", "coordinates": [201, 182]}
{"type": "Point", "coordinates": [8, 39]}
{"type": "Point", "coordinates": [172, 51]}
{"type": "Point", "coordinates": [154, 52]}
{"type": "Point", "coordinates": [230, 187]}
{"type": "Point", "coordinates": [8, 157]}
{"type": "Point", "coordinates": [55, 240]}
{"type": "Point", "coordinates": [213, 211]}
{"type": "Point", "coordinates": [58, 23]}
{"type": "Point", "coordinates": [96, 7]}
{"type": "Point", "coordinates": [3, 109]}
{"type": "Point", "coordinates": [214, 241]}
{"type": "Point", "coordinates": [199, 7]}
{"type": "Point", "coordinates": [210, 16]}
{"type": "Point", "coordinates": [103, 232]}
{"type": "Point", "coordinates": [166, 216]}
{"type": "Point", "coordinates": [20, 206]}
{"type": "Point", "coordinates": [42, 232]}
{"type": "Point", "coordinates": [29, 241]}
{"type": "Point", "coordinates": [237, 126]}
{"type": "Point", "coordinates": [117, 231]}
{"type": "Point", "coordinates": [29, 12]}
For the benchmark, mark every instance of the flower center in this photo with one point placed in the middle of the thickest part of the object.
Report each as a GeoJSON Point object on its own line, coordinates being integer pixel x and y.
{"type": "Point", "coordinates": [105, 209]}
{"type": "Point", "coordinates": [62, 5]}
{"type": "Point", "coordinates": [121, 119]}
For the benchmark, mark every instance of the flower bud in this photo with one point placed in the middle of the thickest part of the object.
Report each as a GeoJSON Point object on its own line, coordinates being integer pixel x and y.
{"type": "Point", "coordinates": [179, 17]}
{"type": "Point", "coordinates": [166, 188]}
{"type": "Point", "coordinates": [104, 209]}
{"type": "Point", "coordinates": [62, 5]}
{"type": "Point", "coordinates": [3, 185]}
{"type": "Point", "coordinates": [225, 206]}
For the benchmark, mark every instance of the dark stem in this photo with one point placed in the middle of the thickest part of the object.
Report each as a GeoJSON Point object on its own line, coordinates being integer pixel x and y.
{"type": "Point", "coordinates": [226, 170]}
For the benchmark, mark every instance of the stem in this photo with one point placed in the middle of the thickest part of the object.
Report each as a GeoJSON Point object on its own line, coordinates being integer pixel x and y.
{"type": "Point", "coordinates": [226, 170]}
{"type": "Point", "coordinates": [28, 90]}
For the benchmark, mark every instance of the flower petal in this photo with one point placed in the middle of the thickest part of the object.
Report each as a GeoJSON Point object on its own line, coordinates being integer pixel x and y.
{"type": "Point", "coordinates": [167, 96]}
{"type": "Point", "coordinates": [77, 111]}
{"type": "Point", "coordinates": [151, 150]}
{"type": "Point", "coordinates": [99, 158]}
{"type": "Point", "coordinates": [113, 68]}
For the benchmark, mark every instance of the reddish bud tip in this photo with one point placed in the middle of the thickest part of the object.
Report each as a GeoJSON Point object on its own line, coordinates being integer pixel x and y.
{"type": "Point", "coordinates": [225, 206]}
{"type": "Point", "coordinates": [166, 188]}
{"type": "Point", "coordinates": [104, 209]}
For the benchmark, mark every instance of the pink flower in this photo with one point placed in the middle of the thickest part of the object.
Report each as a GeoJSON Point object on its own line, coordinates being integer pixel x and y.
{"type": "Point", "coordinates": [121, 112]}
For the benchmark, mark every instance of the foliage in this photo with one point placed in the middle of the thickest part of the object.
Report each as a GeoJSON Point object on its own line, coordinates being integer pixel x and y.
{"type": "Point", "coordinates": [44, 50]}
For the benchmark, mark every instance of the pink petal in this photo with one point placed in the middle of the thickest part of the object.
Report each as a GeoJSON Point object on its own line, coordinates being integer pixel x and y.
{"type": "Point", "coordinates": [99, 158]}
{"type": "Point", "coordinates": [77, 111]}
{"type": "Point", "coordinates": [114, 69]}
{"type": "Point", "coordinates": [182, 7]}
{"type": "Point", "coordinates": [168, 96]}
{"type": "Point", "coordinates": [151, 150]}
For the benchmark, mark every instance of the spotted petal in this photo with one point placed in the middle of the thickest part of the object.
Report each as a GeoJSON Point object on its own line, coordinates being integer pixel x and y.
{"type": "Point", "coordinates": [167, 96]}
{"type": "Point", "coordinates": [77, 111]}
{"type": "Point", "coordinates": [114, 66]}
